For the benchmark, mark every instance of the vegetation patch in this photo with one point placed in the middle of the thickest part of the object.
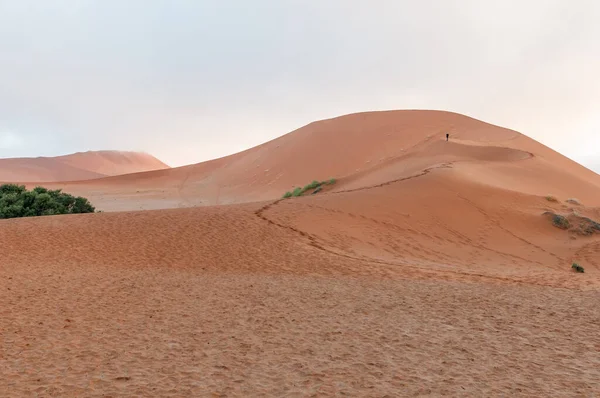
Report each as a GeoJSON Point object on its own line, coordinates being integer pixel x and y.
{"type": "Point", "coordinates": [551, 198]}
{"type": "Point", "coordinates": [560, 221]}
{"type": "Point", "coordinates": [573, 201]}
{"type": "Point", "coordinates": [577, 268]}
{"type": "Point", "coordinates": [587, 226]}
{"type": "Point", "coordinates": [315, 187]}
{"type": "Point", "coordinates": [575, 222]}
{"type": "Point", "coordinates": [16, 201]}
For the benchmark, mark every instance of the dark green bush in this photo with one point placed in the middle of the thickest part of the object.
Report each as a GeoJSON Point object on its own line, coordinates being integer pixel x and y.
{"type": "Point", "coordinates": [560, 221]}
{"type": "Point", "coordinates": [16, 201]}
{"type": "Point", "coordinates": [577, 267]}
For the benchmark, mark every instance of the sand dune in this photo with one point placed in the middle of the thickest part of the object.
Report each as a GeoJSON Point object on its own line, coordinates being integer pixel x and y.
{"type": "Point", "coordinates": [430, 268]}
{"type": "Point", "coordinates": [112, 163]}
{"type": "Point", "coordinates": [77, 166]}
{"type": "Point", "coordinates": [359, 150]}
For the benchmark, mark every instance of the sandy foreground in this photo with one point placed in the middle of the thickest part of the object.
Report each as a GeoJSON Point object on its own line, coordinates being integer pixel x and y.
{"type": "Point", "coordinates": [430, 268]}
{"type": "Point", "coordinates": [174, 333]}
{"type": "Point", "coordinates": [220, 302]}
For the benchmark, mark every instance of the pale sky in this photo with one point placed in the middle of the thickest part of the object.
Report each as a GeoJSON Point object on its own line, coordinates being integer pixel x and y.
{"type": "Point", "coordinates": [193, 80]}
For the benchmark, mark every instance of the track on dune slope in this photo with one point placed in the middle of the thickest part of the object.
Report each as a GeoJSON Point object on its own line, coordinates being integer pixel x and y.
{"type": "Point", "coordinates": [431, 253]}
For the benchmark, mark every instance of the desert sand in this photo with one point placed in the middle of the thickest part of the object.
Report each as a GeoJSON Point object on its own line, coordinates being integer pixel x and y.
{"type": "Point", "coordinates": [77, 166]}
{"type": "Point", "coordinates": [428, 269]}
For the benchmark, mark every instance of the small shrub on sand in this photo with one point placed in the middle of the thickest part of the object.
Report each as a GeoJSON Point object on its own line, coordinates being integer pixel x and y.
{"type": "Point", "coordinates": [577, 268]}
{"type": "Point", "coordinates": [317, 186]}
{"type": "Point", "coordinates": [587, 226]}
{"type": "Point", "coordinates": [560, 221]}
{"type": "Point", "coordinates": [573, 201]}
{"type": "Point", "coordinates": [551, 198]}
{"type": "Point", "coordinates": [575, 222]}
{"type": "Point", "coordinates": [312, 185]}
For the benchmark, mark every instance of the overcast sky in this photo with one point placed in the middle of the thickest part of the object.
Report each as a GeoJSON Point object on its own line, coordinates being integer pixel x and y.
{"type": "Point", "coordinates": [193, 80]}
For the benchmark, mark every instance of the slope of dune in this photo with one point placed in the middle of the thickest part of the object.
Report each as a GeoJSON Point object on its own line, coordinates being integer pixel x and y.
{"type": "Point", "coordinates": [428, 269]}
{"type": "Point", "coordinates": [77, 166]}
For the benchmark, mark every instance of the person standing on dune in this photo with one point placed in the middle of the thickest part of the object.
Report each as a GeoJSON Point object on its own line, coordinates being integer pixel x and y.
{"type": "Point", "coordinates": [447, 135]}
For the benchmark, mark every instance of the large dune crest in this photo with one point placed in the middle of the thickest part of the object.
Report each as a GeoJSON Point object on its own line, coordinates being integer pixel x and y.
{"type": "Point", "coordinates": [359, 150]}
{"type": "Point", "coordinates": [77, 166]}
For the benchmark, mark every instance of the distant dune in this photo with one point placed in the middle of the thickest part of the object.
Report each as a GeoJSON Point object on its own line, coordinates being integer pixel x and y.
{"type": "Point", "coordinates": [77, 166]}
{"type": "Point", "coordinates": [430, 268]}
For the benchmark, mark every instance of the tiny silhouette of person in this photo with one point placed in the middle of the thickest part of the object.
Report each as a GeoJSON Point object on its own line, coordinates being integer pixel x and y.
{"type": "Point", "coordinates": [447, 135]}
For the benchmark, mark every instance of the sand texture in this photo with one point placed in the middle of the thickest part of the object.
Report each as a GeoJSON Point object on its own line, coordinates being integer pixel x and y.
{"type": "Point", "coordinates": [430, 268]}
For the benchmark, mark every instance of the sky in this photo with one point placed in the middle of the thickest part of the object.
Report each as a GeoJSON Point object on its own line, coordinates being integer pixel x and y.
{"type": "Point", "coordinates": [192, 80]}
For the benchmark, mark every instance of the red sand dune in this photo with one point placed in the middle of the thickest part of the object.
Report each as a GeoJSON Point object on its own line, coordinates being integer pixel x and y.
{"type": "Point", "coordinates": [359, 150]}
{"type": "Point", "coordinates": [429, 268]}
{"type": "Point", "coordinates": [77, 166]}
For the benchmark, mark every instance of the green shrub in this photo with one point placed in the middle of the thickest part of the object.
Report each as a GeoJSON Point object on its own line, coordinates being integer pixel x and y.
{"type": "Point", "coordinates": [16, 201]}
{"type": "Point", "coordinates": [312, 185]}
{"type": "Point", "coordinates": [316, 185]}
{"type": "Point", "coordinates": [560, 221]}
{"type": "Point", "coordinates": [577, 267]}
{"type": "Point", "coordinates": [551, 198]}
{"type": "Point", "coordinates": [11, 188]}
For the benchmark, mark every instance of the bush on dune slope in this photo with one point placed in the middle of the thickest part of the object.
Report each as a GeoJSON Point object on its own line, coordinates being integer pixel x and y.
{"type": "Point", "coordinates": [313, 185]}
